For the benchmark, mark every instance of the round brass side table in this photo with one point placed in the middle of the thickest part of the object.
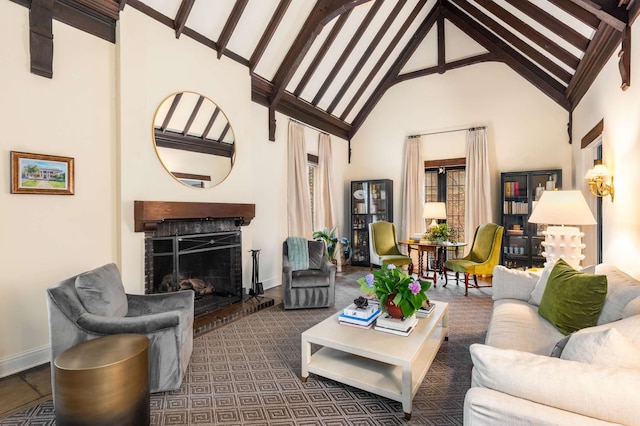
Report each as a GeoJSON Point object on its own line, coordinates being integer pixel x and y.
{"type": "Point", "coordinates": [104, 381]}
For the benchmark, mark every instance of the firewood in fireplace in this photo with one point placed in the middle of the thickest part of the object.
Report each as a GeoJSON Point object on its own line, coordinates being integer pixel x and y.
{"type": "Point", "coordinates": [197, 285]}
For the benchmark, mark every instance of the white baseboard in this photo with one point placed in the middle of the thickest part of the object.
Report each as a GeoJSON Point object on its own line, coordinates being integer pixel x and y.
{"type": "Point", "coordinates": [16, 363]}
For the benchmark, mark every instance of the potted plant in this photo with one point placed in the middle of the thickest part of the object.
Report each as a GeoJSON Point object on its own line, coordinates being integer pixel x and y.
{"type": "Point", "coordinates": [332, 243]}
{"type": "Point", "coordinates": [394, 289]}
{"type": "Point", "coordinates": [440, 233]}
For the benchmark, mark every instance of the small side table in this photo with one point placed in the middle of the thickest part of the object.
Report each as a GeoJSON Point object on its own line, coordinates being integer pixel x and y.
{"type": "Point", "coordinates": [104, 381]}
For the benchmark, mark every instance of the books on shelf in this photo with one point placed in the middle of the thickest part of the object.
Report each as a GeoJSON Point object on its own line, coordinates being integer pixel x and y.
{"type": "Point", "coordinates": [424, 311]}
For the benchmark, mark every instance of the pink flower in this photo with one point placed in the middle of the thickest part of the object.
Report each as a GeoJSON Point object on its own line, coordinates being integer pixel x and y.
{"type": "Point", "coordinates": [415, 287]}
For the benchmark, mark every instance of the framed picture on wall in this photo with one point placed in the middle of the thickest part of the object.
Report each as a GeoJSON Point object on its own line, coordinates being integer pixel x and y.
{"type": "Point", "coordinates": [41, 174]}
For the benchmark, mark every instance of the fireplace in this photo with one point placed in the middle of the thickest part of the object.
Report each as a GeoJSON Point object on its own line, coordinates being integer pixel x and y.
{"type": "Point", "coordinates": [185, 252]}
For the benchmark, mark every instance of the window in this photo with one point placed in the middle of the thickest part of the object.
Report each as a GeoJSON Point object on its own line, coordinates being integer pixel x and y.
{"type": "Point", "coordinates": [445, 182]}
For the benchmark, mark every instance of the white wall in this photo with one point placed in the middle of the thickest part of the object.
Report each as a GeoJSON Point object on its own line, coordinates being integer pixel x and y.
{"type": "Point", "coordinates": [526, 130]}
{"type": "Point", "coordinates": [621, 151]}
{"type": "Point", "coordinates": [46, 238]}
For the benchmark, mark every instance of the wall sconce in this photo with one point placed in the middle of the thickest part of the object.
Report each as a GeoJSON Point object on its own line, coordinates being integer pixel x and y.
{"type": "Point", "coordinates": [600, 180]}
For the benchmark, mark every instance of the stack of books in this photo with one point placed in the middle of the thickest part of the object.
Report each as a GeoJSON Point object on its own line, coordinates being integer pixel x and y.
{"type": "Point", "coordinates": [425, 310]}
{"type": "Point", "coordinates": [359, 317]}
{"type": "Point", "coordinates": [401, 327]}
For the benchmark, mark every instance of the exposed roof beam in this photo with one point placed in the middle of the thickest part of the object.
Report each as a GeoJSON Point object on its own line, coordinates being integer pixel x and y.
{"type": "Point", "coordinates": [107, 8]}
{"type": "Point", "coordinates": [506, 53]}
{"type": "Point", "coordinates": [230, 25]}
{"type": "Point", "coordinates": [577, 12]}
{"type": "Point", "coordinates": [326, 45]}
{"type": "Point", "coordinates": [484, 57]}
{"type": "Point", "coordinates": [323, 12]}
{"type": "Point", "coordinates": [212, 120]}
{"type": "Point", "coordinates": [182, 15]}
{"type": "Point", "coordinates": [193, 116]}
{"type": "Point", "coordinates": [397, 66]}
{"type": "Point", "coordinates": [365, 56]}
{"type": "Point", "coordinates": [515, 41]}
{"type": "Point", "coordinates": [609, 14]}
{"type": "Point", "coordinates": [193, 144]}
{"type": "Point", "coordinates": [172, 110]}
{"type": "Point", "coordinates": [392, 45]}
{"type": "Point", "coordinates": [41, 37]}
{"type": "Point", "coordinates": [268, 33]}
{"type": "Point", "coordinates": [551, 23]}
{"type": "Point", "coordinates": [529, 32]}
{"type": "Point", "coordinates": [328, 80]}
{"type": "Point", "coordinates": [442, 56]}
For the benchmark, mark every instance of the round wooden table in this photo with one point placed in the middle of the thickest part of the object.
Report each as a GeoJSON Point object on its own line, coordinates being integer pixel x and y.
{"type": "Point", "coordinates": [104, 381]}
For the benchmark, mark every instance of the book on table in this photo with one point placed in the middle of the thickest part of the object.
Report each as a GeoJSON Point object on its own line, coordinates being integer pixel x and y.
{"type": "Point", "coordinates": [359, 322]}
{"type": "Point", "coordinates": [365, 313]}
{"type": "Point", "coordinates": [425, 310]}
{"type": "Point", "coordinates": [387, 322]}
{"type": "Point", "coordinates": [392, 331]}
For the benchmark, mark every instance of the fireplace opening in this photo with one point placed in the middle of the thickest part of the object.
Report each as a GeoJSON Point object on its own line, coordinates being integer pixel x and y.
{"type": "Point", "coordinates": [209, 264]}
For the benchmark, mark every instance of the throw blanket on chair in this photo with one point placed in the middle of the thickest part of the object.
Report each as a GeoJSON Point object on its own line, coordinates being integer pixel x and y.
{"type": "Point", "coordinates": [298, 252]}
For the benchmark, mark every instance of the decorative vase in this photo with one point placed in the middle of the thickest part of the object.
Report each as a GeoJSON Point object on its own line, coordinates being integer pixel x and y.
{"type": "Point", "coordinates": [392, 309]}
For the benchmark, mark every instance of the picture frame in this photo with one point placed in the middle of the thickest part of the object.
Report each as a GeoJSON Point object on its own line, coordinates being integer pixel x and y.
{"type": "Point", "coordinates": [41, 174]}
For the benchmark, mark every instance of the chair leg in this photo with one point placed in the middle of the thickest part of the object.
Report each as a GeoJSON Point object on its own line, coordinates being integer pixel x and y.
{"type": "Point", "coordinates": [457, 277]}
{"type": "Point", "coordinates": [466, 283]}
{"type": "Point", "coordinates": [446, 278]}
{"type": "Point", "coordinates": [475, 280]}
{"type": "Point", "coordinates": [410, 268]}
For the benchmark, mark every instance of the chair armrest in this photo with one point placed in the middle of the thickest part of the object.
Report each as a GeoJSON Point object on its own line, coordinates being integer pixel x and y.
{"type": "Point", "coordinates": [328, 267]}
{"type": "Point", "coordinates": [286, 272]}
{"type": "Point", "coordinates": [513, 284]}
{"type": "Point", "coordinates": [140, 325]}
{"type": "Point", "coordinates": [145, 304]}
{"type": "Point", "coordinates": [604, 393]}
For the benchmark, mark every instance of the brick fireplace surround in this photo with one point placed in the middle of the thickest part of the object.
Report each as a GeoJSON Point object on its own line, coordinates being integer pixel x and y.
{"type": "Point", "coordinates": [218, 225]}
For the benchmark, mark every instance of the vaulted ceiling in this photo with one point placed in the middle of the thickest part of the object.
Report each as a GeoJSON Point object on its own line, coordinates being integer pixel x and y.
{"type": "Point", "coordinates": [328, 62]}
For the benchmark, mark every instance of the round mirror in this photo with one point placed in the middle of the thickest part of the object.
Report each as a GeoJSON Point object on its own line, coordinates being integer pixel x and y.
{"type": "Point", "coordinates": [194, 140]}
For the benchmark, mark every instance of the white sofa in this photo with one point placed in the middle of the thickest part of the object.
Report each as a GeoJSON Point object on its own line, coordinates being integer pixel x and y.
{"type": "Point", "coordinates": [516, 381]}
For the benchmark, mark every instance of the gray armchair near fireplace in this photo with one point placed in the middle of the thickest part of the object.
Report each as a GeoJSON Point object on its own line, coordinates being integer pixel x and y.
{"type": "Point", "coordinates": [94, 304]}
{"type": "Point", "coordinates": [311, 287]}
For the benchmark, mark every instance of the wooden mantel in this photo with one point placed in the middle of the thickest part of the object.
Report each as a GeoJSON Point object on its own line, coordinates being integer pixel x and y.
{"type": "Point", "coordinates": [147, 214]}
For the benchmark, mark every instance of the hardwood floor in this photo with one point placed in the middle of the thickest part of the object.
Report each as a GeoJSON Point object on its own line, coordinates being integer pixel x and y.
{"type": "Point", "coordinates": [30, 387]}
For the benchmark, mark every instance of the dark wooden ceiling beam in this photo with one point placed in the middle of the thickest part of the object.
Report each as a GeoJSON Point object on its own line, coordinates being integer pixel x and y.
{"type": "Point", "coordinates": [230, 25]}
{"type": "Point", "coordinates": [366, 55]}
{"type": "Point", "coordinates": [383, 58]}
{"type": "Point", "coordinates": [108, 8]}
{"type": "Point", "coordinates": [212, 120]}
{"type": "Point", "coordinates": [516, 61]}
{"type": "Point", "coordinates": [348, 50]}
{"type": "Point", "coordinates": [606, 11]}
{"type": "Point", "coordinates": [531, 33]}
{"type": "Point", "coordinates": [552, 23]}
{"type": "Point", "coordinates": [326, 45]}
{"type": "Point", "coordinates": [181, 17]}
{"type": "Point", "coordinates": [478, 59]}
{"type": "Point", "coordinates": [442, 57]}
{"type": "Point", "coordinates": [170, 112]}
{"type": "Point", "coordinates": [275, 20]}
{"type": "Point", "coordinates": [41, 37]}
{"type": "Point", "coordinates": [397, 66]}
{"type": "Point", "coordinates": [602, 46]}
{"type": "Point", "coordinates": [179, 141]}
{"type": "Point", "coordinates": [515, 41]}
{"type": "Point", "coordinates": [323, 12]}
{"type": "Point", "coordinates": [577, 12]}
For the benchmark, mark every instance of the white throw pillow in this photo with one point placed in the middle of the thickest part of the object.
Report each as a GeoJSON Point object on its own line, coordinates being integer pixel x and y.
{"type": "Point", "coordinates": [608, 348]}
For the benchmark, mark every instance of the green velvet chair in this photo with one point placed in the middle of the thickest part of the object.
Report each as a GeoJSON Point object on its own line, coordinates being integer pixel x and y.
{"type": "Point", "coordinates": [482, 258]}
{"type": "Point", "coordinates": [383, 246]}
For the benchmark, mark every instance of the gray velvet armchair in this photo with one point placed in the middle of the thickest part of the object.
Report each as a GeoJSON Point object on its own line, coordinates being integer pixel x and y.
{"type": "Point", "coordinates": [308, 288]}
{"type": "Point", "coordinates": [94, 304]}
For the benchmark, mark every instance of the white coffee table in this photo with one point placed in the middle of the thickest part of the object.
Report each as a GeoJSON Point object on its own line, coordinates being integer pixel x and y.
{"type": "Point", "coordinates": [385, 364]}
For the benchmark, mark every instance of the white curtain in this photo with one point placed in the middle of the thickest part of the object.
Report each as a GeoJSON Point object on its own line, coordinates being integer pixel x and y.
{"type": "Point", "coordinates": [477, 207]}
{"type": "Point", "coordinates": [298, 203]}
{"type": "Point", "coordinates": [413, 189]}
{"type": "Point", "coordinates": [325, 212]}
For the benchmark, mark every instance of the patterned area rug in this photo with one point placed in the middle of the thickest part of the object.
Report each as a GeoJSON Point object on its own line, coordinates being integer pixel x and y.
{"type": "Point", "coordinates": [248, 373]}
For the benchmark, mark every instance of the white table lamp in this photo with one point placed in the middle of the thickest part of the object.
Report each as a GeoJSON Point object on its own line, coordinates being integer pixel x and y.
{"type": "Point", "coordinates": [434, 211]}
{"type": "Point", "coordinates": [563, 208]}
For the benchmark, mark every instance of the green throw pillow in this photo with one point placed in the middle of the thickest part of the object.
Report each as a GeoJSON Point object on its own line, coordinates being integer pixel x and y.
{"type": "Point", "coordinates": [572, 300]}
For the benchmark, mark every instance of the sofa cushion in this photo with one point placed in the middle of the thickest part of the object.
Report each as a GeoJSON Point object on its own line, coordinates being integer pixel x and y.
{"type": "Point", "coordinates": [515, 324]}
{"type": "Point", "coordinates": [316, 254]}
{"type": "Point", "coordinates": [101, 291]}
{"type": "Point", "coordinates": [513, 283]}
{"type": "Point", "coordinates": [622, 289]}
{"type": "Point", "coordinates": [601, 392]}
{"type": "Point", "coordinates": [572, 300]}
{"type": "Point", "coordinates": [605, 347]}
{"type": "Point", "coordinates": [538, 290]}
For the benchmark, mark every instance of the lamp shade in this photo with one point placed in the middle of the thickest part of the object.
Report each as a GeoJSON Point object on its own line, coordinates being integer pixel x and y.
{"type": "Point", "coordinates": [434, 210]}
{"type": "Point", "coordinates": [562, 208]}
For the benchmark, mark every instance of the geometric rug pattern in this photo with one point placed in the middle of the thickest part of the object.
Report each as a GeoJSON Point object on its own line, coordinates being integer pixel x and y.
{"type": "Point", "coordinates": [248, 373]}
